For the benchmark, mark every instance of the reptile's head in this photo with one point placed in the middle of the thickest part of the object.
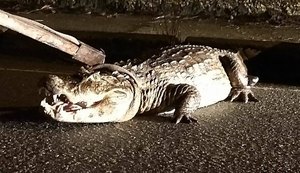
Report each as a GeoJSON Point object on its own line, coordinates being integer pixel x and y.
{"type": "Point", "coordinates": [93, 99]}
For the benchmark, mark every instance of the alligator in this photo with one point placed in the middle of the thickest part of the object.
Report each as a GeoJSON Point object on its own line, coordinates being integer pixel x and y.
{"type": "Point", "coordinates": [183, 78]}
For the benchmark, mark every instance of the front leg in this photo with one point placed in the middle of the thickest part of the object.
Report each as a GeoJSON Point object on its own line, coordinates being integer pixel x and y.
{"type": "Point", "coordinates": [240, 81]}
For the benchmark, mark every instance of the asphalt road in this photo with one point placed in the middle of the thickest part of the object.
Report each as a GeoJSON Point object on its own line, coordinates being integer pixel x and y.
{"type": "Point", "coordinates": [229, 137]}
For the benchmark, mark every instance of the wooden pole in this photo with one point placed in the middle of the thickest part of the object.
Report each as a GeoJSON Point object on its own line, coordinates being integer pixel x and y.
{"type": "Point", "coordinates": [66, 43]}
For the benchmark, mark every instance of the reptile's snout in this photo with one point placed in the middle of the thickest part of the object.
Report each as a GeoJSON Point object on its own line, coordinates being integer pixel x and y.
{"type": "Point", "coordinates": [54, 84]}
{"type": "Point", "coordinates": [44, 88]}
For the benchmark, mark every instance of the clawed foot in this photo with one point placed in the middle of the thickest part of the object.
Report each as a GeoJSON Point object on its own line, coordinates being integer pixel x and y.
{"type": "Point", "coordinates": [245, 94]}
{"type": "Point", "coordinates": [185, 118]}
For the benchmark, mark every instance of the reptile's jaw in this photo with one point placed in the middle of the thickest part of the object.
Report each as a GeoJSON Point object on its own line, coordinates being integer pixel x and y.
{"type": "Point", "coordinates": [92, 100]}
{"type": "Point", "coordinates": [107, 110]}
{"type": "Point", "coordinates": [67, 111]}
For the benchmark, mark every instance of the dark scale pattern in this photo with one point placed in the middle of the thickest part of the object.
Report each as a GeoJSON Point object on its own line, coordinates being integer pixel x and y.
{"type": "Point", "coordinates": [180, 63]}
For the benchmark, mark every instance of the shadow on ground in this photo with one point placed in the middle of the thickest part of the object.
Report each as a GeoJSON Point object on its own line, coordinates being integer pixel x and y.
{"type": "Point", "coordinates": [25, 114]}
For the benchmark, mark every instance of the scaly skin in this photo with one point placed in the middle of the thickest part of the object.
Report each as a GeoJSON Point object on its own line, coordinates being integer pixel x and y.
{"type": "Point", "coordinates": [182, 77]}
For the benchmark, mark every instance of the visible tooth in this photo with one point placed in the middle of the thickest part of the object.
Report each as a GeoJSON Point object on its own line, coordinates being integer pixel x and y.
{"type": "Point", "coordinates": [55, 98]}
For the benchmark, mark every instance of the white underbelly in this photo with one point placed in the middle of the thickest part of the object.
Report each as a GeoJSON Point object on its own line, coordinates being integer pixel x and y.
{"type": "Point", "coordinates": [213, 93]}
{"type": "Point", "coordinates": [214, 86]}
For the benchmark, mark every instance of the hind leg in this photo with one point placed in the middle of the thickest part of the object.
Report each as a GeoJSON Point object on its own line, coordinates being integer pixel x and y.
{"type": "Point", "coordinates": [187, 102]}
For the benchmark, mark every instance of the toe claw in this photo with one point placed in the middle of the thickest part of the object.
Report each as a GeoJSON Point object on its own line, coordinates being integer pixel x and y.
{"type": "Point", "coordinates": [234, 96]}
{"type": "Point", "coordinates": [245, 94]}
{"type": "Point", "coordinates": [192, 119]}
{"type": "Point", "coordinates": [177, 120]}
{"type": "Point", "coordinates": [253, 98]}
{"type": "Point", "coordinates": [185, 119]}
{"type": "Point", "coordinates": [245, 97]}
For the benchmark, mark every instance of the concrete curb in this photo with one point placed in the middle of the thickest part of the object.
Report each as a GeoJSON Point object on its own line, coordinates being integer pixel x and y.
{"type": "Point", "coordinates": [185, 29]}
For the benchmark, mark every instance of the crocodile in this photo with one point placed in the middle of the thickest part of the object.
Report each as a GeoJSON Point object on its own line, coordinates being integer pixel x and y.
{"type": "Point", "coordinates": [183, 78]}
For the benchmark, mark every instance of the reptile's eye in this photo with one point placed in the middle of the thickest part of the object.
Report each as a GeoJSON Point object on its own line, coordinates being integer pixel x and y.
{"type": "Point", "coordinates": [63, 98]}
